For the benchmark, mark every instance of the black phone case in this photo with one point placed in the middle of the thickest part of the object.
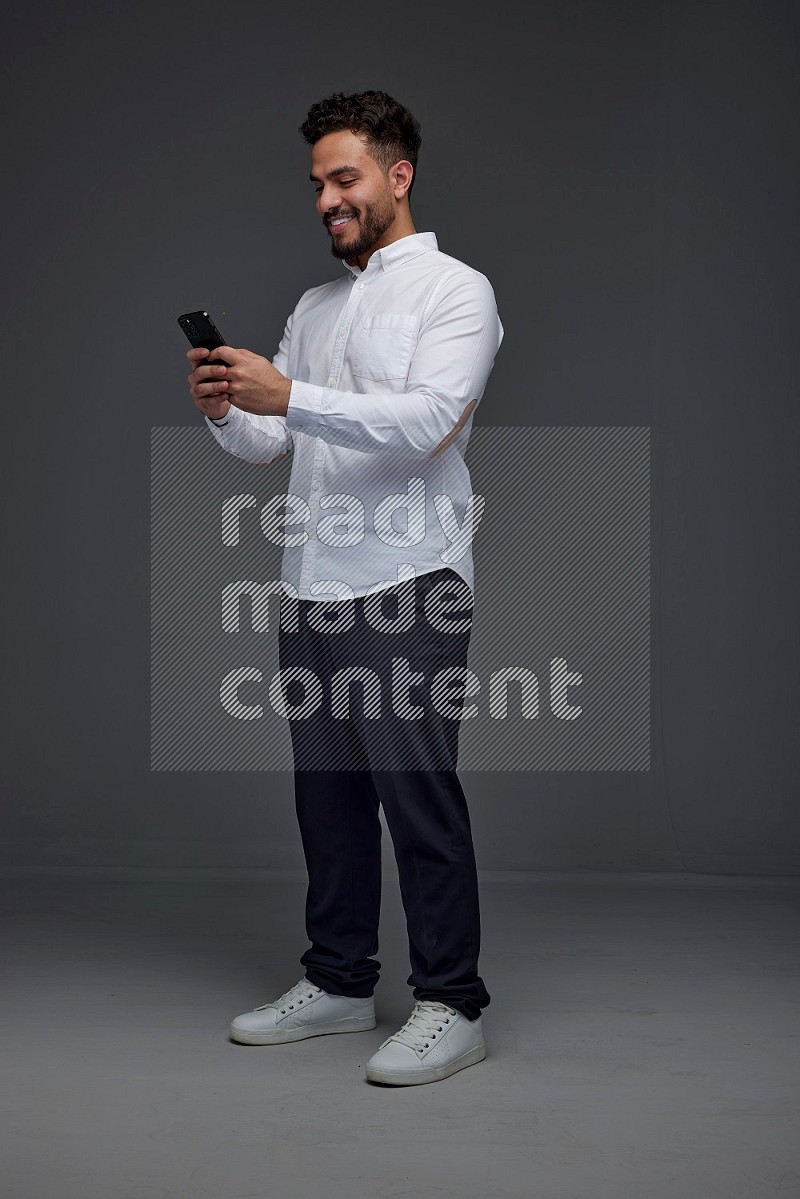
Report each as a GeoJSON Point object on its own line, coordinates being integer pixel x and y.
{"type": "Point", "coordinates": [201, 331]}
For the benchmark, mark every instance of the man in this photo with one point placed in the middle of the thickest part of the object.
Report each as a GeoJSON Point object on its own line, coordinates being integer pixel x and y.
{"type": "Point", "coordinates": [373, 389]}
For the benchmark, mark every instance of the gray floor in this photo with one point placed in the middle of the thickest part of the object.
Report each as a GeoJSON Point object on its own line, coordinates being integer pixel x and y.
{"type": "Point", "coordinates": [642, 1041]}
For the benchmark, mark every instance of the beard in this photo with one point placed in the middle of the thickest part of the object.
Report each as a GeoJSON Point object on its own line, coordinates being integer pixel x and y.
{"type": "Point", "coordinates": [373, 221]}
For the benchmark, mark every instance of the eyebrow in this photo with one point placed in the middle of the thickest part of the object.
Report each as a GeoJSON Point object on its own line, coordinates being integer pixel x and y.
{"type": "Point", "coordinates": [335, 174]}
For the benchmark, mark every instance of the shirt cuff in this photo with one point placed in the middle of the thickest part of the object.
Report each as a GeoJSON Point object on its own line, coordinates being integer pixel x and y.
{"type": "Point", "coordinates": [304, 413]}
{"type": "Point", "coordinates": [228, 419]}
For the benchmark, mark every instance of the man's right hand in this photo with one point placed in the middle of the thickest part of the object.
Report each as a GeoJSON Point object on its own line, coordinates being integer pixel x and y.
{"type": "Point", "coordinates": [206, 386]}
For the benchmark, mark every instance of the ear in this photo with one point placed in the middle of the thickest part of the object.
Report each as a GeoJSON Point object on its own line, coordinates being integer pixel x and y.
{"type": "Point", "coordinates": [401, 175]}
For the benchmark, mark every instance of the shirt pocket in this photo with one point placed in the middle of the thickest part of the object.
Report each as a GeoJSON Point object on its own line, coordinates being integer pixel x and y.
{"type": "Point", "coordinates": [383, 347]}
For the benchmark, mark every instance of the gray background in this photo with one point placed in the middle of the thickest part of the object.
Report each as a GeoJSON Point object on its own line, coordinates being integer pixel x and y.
{"type": "Point", "coordinates": [625, 174]}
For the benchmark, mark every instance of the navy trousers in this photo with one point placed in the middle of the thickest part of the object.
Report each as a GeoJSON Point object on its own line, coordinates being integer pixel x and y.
{"type": "Point", "coordinates": [388, 738]}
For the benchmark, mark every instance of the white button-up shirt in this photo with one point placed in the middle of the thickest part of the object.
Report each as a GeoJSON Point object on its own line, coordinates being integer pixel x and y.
{"type": "Point", "coordinates": [387, 366]}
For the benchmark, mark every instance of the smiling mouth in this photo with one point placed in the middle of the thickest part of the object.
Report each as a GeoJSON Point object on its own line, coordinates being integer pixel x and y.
{"type": "Point", "coordinates": [339, 222]}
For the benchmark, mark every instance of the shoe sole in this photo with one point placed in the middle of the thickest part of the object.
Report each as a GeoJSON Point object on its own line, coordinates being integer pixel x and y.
{"type": "Point", "coordinates": [350, 1024]}
{"type": "Point", "coordinates": [415, 1078]}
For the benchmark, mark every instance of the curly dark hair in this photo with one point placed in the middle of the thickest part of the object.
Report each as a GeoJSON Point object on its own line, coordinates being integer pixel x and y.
{"type": "Point", "coordinates": [393, 133]}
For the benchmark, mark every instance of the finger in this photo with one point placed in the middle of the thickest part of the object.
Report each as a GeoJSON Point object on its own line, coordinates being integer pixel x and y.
{"type": "Point", "coordinates": [205, 372]}
{"type": "Point", "coordinates": [211, 389]}
{"type": "Point", "coordinates": [196, 354]}
{"type": "Point", "coordinates": [204, 390]}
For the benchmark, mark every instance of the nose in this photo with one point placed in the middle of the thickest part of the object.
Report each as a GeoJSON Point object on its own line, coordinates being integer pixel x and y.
{"type": "Point", "coordinates": [329, 198]}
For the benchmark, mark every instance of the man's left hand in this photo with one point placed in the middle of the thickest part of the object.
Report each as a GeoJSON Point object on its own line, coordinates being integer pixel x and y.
{"type": "Point", "coordinates": [253, 383]}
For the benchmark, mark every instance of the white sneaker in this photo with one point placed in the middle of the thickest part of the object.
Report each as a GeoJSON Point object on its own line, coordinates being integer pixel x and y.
{"type": "Point", "coordinates": [435, 1042]}
{"type": "Point", "coordinates": [303, 1011]}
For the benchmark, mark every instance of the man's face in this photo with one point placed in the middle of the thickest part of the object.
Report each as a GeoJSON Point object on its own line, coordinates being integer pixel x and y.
{"type": "Point", "coordinates": [354, 196]}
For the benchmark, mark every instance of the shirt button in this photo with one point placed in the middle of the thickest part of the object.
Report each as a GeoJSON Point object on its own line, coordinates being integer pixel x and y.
{"type": "Point", "coordinates": [361, 286]}
{"type": "Point", "coordinates": [315, 486]}
{"type": "Point", "coordinates": [331, 383]}
{"type": "Point", "coordinates": [342, 331]}
{"type": "Point", "coordinates": [310, 536]}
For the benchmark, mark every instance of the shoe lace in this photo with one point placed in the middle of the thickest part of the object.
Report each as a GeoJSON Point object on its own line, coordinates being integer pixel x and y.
{"type": "Point", "coordinates": [427, 1020]}
{"type": "Point", "coordinates": [296, 996]}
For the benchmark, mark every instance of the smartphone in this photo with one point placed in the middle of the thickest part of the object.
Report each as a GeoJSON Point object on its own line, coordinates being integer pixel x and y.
{"type": "Point", "coordinates": [201, 331]}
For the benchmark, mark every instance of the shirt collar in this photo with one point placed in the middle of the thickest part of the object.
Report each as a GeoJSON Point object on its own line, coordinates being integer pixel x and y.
{"type": "Point", "coordinates": [402, 250]}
